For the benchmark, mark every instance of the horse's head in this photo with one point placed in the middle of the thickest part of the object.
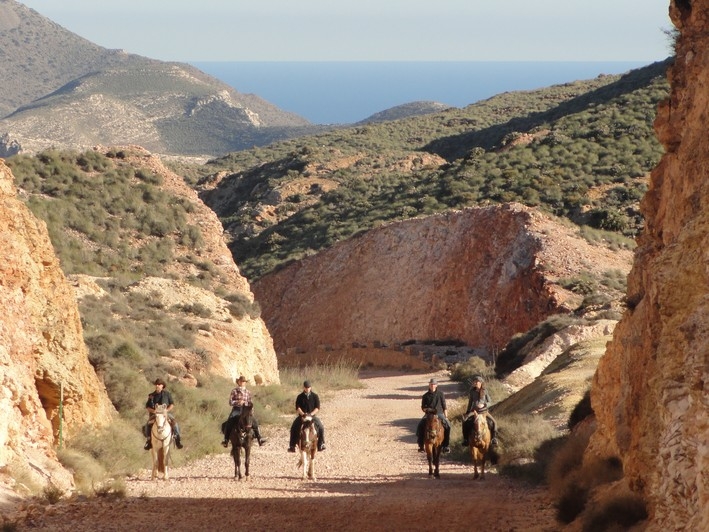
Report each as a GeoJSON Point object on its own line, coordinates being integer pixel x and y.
{"type": "Point", "coordinates": [246, 416]}
{"type": "Point", "coordinates": [481, 433]}
{"type": "Point", "coordinates": [160, 415]}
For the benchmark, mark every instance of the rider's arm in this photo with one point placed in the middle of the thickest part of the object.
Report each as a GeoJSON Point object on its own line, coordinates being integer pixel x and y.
{"type": "Point", "coordinates": [298, 409]}
{"type": "Point", "coordinates": [149, 404]}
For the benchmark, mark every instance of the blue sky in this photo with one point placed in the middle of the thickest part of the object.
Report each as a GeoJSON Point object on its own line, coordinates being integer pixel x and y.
{"type": "Point", "coordinates": [370, 30]}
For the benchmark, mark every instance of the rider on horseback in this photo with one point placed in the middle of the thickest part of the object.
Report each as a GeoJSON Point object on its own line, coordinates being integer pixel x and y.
{"type": "Point", "coordinates": [160, 397]}
{"type": "Point", "coordinates": [479, 399]}
{"type": "Point", "coordinates": [307, 402]}
{"type": "Point", "coordinates": [239, 397]}
{"type": "Point", "coordinates": [435, 399]}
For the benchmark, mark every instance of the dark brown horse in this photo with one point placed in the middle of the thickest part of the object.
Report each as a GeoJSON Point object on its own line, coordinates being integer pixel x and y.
{"type": "Point", "coordinates": [241, 438]}
{"type": "Point", "coordinates": [308, 447]}
{"type": "Point", "coordinates": [433, 441]}
{"type": "Point", "coordinates": [479, 442]}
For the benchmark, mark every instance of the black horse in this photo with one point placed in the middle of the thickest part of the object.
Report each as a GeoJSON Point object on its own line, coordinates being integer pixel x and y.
{"type": "Point", "coordinates": [241, 437]}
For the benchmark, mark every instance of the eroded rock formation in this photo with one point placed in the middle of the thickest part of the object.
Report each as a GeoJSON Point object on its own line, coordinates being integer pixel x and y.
{"type": "Point", "coordinates": [477, 275]}
{"type": "Point", "coordinates": [650, 390]}
{"type": "Point", "coordinates": [42, 351]}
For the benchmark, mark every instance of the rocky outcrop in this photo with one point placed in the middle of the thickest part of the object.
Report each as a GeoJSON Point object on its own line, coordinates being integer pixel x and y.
{"type": "Point", "coordinates": [650, 392]}
{"type": "Point", "coordinates": [43, 360]}
{"type": "Point", "coordinates": [235, 343]}
{"type": "Point", "coordinates": [541, 356]}
{"type": "Point", "coordinates": [477, 275]}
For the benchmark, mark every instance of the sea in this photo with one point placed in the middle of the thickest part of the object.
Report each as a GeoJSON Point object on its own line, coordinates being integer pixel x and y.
{"type": "Point", "coordinates": [347, 92]}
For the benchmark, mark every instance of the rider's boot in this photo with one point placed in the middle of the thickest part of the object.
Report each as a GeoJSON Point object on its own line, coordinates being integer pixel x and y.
{"type": "Point", "coordinates": [148, 445]}
{"type": "Point", "coordinates": [261, 441]}
{"type": "Point", "coordinates": [178, 443]}
{"type": "Point", "coordinates": [446, 441]}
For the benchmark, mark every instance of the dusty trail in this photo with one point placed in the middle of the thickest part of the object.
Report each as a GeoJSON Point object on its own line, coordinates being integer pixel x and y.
{"type": "Point", "coordinates": [370, 478]}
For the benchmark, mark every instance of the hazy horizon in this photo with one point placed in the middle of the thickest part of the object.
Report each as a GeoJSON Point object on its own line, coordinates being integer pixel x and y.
{"type": "Point", "coordinates": [344, 92]}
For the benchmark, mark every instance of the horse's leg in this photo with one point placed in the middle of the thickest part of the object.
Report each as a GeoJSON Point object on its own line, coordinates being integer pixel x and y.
{"type": "Point", "coordinates": [304, 461]}
{"type": "Point", "coordinates": [237, 462]}
{"type": "Point", "coordinates": [311, 466]}
{"type": "Point", "coordinates": [247, 456]}
{"type": "Point", "coordinates": [155, 463]}
{"type": "Point", "coordinates": [165, 452]}
{"type": "Point", "coordinates": [437, 462]}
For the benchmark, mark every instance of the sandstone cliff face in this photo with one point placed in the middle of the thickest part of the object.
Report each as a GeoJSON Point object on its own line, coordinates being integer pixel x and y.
{"type": "Point", "coordinates": [478, 275]}
{"type": "Point", "coordinates": [41, 345]}
{"type": "Point", "coordinates": [650, 391]}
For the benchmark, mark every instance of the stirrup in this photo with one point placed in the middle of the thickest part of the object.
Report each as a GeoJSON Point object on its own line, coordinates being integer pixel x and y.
{"type": "Point", "coordinates": [148, 445]}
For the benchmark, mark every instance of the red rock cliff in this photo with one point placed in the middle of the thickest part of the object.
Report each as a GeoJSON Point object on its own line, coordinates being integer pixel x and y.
{"type": "Point", "coordinates": [477, 275]}
{"type": "Point", "coordinates": [41, 343]}
{"type": "Point", "coordinates": [650, 391]}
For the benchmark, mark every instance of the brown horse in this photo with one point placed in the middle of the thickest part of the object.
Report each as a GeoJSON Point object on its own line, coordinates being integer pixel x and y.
{"type": "Point", "coordinates": [433, 441]}
{"type": "Point", "coordinates": [241, 437]}
{"type": "Point", "coordinates": [479, 442]}
{"type": "Point", "coordinates": [308, 447]}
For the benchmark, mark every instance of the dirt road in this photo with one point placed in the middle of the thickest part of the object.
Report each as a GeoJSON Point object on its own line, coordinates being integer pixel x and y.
{"type": "Point", "coordinates": [371, 477]}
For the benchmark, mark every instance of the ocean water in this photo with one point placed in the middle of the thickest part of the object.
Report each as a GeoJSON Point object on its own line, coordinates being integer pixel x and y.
{"type": "Point", "coordinates": [347, 92]}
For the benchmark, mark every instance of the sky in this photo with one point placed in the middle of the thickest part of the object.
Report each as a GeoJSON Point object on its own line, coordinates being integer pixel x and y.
{"type": "Point", "coordinates": [371, 30]}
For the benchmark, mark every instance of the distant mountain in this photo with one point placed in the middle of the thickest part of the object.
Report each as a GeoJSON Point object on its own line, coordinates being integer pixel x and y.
{"type": "Point", "coordinates": [406, 110]}
{"type": "Point", "coordinates": [58, 89]}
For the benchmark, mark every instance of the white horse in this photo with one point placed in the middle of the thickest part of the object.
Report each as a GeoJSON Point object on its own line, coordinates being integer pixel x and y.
{"type": "Point", "coordinates": [161, 438]}
{"type": "Point", "coordinates": [308, 446]}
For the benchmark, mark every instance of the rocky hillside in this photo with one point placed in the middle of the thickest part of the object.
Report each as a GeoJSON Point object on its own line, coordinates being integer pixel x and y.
{"type": "Point", "coordinates": [580, 150]}
{"type": "Point", "coordinates": [477, 276]}
{"type": "Point", "coordinates": [650, 391]}
{"type": "Point", "coordinates": [58, 89]}
{"type": "Point", "coordinates": [49, 389]}
{"type": "Point", "coordinates": [157, 290]}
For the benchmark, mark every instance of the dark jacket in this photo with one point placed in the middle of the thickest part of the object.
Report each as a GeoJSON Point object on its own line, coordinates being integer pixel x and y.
{"type": "Point", "coordinates": [478, 396]}
{"type": "Point", "coordinates": [307, 402]}
{"type": "Point", "coordinates": [434, 400]}
{"type": "Point", "coordinates": [159, 398]}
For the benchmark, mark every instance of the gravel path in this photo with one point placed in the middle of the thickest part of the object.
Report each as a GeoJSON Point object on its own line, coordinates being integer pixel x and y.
{"type": "Point", "coordinates": [370, 477]}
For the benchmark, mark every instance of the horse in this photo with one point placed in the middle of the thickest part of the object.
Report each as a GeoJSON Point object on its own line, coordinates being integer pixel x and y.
{"type": "Point", "coordinates": [308, 447]}
{"type": "Point", "coordinates": [161, 438]}
{"type": "Point", "coordinates": [241, 437]}
{"type": "Point", "coordinates": [479, 442]}
{"type": "Point", "coordinates": [433, 441]}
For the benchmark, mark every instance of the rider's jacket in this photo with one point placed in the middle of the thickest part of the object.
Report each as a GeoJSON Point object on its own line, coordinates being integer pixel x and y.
{"type": "Point", "coordinates": [159, 398]}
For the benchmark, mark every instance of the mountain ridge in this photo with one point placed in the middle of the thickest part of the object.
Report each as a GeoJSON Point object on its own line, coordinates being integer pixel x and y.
{"type": "Point", "coordinates": [59, 89]}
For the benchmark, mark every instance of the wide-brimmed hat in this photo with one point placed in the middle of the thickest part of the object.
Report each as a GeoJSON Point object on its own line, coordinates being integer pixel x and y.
{"type": "Point", "coordinates": [241, 379]}
{"type": "Point", "coordinates": [433, 381]}
{"type": "Point", "coordinates": [159, 381]}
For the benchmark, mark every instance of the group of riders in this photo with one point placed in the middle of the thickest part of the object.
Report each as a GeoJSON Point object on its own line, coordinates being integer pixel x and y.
{"type": "Point", "coordinates": [478, 401]}
{"type": "Point", "coordinates": [308, 404]}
